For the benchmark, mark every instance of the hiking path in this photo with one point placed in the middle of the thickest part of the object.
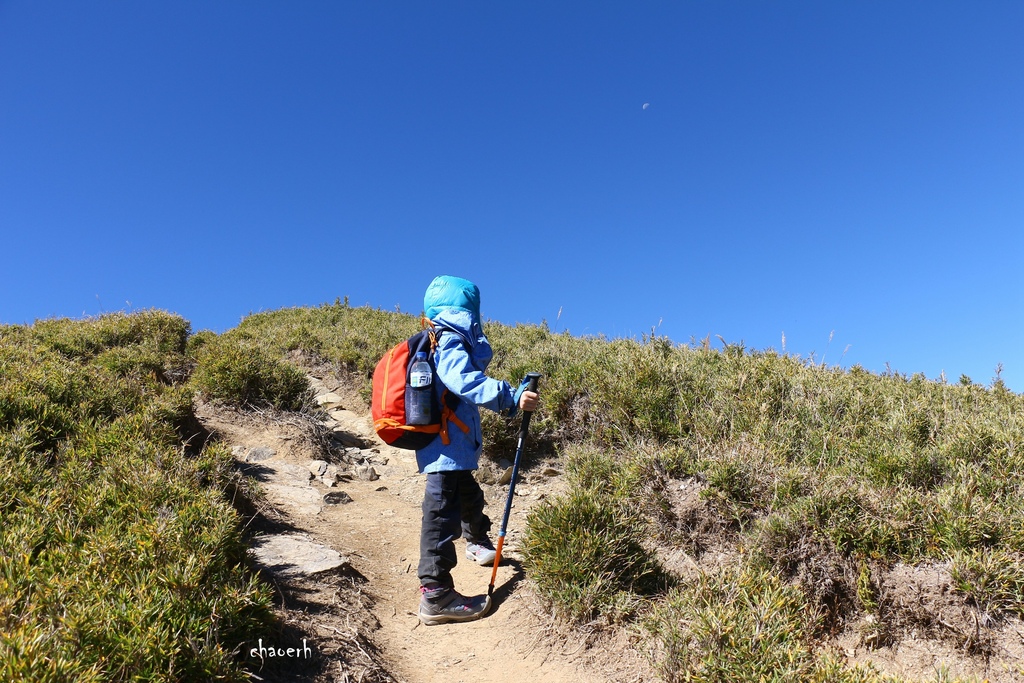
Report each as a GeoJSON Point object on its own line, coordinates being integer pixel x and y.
{"type": "Point", "coordinates": [340, 540]}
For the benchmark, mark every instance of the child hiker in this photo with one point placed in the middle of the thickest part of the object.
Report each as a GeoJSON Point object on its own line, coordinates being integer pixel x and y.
{"type": "Point", "coordinates": [453, 505]}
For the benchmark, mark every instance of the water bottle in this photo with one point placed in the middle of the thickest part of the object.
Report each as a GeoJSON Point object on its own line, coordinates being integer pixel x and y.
{"type": "Point", "coordinates": [419, 391]}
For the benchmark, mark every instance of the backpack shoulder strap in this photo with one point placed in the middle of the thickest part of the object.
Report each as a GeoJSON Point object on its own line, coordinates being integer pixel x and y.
{"type": "Point", "coordinates": [449, 400]}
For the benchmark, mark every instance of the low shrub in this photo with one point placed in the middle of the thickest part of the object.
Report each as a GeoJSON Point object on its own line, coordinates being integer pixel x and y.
{"type": "Point", "coordinates": [741, 625]}
{"type": "Point", "coordinates": [992, 579]}
{"type": "Point", "coordinates": [242, 373]}
{"type": "Point", "coordinates": [586, 554]}
{"type": "Point", "coordinates": [153, 330]}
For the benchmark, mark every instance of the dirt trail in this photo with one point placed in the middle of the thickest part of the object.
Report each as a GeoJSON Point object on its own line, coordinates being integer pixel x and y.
{"type": "Point", "coordinates": [377, 531]}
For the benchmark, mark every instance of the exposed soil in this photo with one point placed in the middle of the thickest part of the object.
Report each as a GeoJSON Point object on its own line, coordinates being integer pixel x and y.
{"type": "Point", "coordinates": [359, 618]}
{"type": "Point", "coordinates": [923, 627]}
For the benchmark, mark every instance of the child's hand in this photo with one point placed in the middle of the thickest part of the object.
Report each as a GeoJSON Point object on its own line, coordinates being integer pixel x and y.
{"type": "Point", "coordinates": [528, 401]}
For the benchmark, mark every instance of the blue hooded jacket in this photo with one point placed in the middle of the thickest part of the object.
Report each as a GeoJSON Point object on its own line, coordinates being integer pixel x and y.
{"type": "Point", "coordinates": [462, 356]}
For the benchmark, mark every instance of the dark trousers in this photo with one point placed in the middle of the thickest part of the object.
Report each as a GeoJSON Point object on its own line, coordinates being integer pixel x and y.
{"type": "Point", "coordinates": [453, 506]}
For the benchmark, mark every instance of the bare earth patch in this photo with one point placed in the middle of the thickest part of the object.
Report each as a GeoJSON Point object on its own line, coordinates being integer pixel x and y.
{"type": "Point", "coordinates": [927, 628]}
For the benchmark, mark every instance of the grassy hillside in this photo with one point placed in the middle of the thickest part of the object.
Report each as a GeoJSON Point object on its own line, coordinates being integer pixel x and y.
{"type": "Point", "coordinates": [119, 555]}
{"type": "Point", "coordinates": [814, 484]}
{"type": "Point", "coordinates": [818, 480]}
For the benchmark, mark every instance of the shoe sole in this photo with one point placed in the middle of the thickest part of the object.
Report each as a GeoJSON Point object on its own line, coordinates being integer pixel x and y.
{"type": "Point", "coordinates": [484, 563]}
{"type": "Point", "coordinates": [438, 619]}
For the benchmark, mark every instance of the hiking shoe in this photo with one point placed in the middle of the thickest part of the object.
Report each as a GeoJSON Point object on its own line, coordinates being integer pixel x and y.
{"type": "Point", "coordinates": [447, 605]}
{"type": "Point", "coordinates": [482, 553]}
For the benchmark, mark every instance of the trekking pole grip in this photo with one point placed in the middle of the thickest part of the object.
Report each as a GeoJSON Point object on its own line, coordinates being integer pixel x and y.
{"type": "Point", "coordinates": [533, 382]}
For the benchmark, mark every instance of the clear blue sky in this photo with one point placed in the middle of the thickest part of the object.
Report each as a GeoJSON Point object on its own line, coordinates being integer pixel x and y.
{"type": "Point", "coordinates": [802, 168]}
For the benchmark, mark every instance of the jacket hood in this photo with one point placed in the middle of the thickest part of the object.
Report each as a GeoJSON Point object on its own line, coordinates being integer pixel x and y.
{"type": "Point", "coordinates": [460, 322]}
{"type": "Point", "coordinates": [447, 292]}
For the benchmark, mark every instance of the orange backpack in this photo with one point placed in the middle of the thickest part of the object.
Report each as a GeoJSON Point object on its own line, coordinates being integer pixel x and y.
{"type": "Point", "coordinates": [388, 409]}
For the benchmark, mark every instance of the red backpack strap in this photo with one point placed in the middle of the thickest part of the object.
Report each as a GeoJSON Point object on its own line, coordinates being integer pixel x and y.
{"type": "Point", "coordinates": [448, 415]}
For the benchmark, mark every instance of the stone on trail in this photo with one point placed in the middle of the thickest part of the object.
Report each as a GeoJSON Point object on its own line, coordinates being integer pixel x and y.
{"type": "Point", "coordinates": [287, 487]}
{"type": "Point", "coordinates": [294, 555]}
{"type": "Point", "coordinates": [329, 400]}
{"type": "Point", "coordinates": [350, 421]}
{"type": "Point", "coordinates": [260, 454]}
{"type": "Point", "coordinates": [337, 498]}
{"type": "Point", "coordinates": [342, 416]}
{"type": "Point", "coordinates": [297, 501]}
{"type": "Point", "coordinates": [485, 475]}
{"type": "Point", "coordinates": [331, 475]}
{"type": "Point", "coordinates": [366, 473]}
{"type": "Point", "coordinates": [327, 473]}
{"type": "Point", "coordinates": [347, 439]}
{"type": "Point", "coordinates": [287, 474]}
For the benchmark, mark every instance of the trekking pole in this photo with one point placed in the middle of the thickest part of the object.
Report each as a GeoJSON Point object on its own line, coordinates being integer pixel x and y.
{"type": "Point", "coordinates": [533, 378]}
